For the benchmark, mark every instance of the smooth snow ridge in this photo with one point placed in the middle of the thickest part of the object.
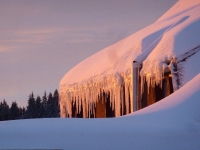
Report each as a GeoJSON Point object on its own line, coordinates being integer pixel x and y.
{"type": "Point", "coordinates": [157, 47]}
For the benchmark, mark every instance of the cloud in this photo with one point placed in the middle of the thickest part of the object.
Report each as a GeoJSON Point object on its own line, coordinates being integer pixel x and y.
{"type": "Point", "coordinates": [12, 39]}
{"type": "Point", "coordinates": [5, 48]}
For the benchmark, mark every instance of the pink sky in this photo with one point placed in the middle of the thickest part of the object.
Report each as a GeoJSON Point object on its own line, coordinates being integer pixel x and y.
{"type": "Point", "coordinates": [41, 40]}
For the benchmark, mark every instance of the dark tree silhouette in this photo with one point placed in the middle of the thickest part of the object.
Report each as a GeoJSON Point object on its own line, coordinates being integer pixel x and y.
{"type": "Point", "coordinates": [4, 111]}
{"type": "Point", "coordinates": [30, 112]}
{"type": "Point", "coordinates": [14, 111]}
{"type": "Point", "coordinates": [47, 107]}
{"type": "Point", "coordinates": [38, 108]}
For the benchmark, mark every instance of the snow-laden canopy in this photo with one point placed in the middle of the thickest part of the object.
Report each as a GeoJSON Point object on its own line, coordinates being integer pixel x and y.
{"type": "Point", "coordinates": [171, 39]}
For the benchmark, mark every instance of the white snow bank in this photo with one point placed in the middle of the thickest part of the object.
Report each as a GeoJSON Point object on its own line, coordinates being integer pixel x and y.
{"type": "Point", "coordinates": [172, 123]}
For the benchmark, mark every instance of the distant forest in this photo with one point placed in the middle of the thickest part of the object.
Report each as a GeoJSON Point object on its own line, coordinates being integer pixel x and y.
{"type": "Point", "coordinates": [45, 107]}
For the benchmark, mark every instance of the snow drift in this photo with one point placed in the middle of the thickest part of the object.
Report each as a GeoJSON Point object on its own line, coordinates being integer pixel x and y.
{"type": "Point", "coordinates": [170, 40]}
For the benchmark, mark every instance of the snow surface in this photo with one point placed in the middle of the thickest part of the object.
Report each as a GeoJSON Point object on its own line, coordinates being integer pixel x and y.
{"type": "Point", "coordinates": [172, 123]}
{"type": "Point", "coordinates": [156, 47]}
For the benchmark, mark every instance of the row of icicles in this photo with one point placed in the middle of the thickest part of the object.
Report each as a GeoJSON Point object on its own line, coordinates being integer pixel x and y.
{"type": "Point", "coordinates": [87, 94]}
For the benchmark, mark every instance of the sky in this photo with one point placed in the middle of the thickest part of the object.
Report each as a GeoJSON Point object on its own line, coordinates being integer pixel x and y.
{"type": "Point", "coordinates": [40, 41]}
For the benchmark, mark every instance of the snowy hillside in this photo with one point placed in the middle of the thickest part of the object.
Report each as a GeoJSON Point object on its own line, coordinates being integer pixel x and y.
{"type": "Point", "coordinates": [172, 123]}
{"type": "Point", "coordinates": [171, 39]}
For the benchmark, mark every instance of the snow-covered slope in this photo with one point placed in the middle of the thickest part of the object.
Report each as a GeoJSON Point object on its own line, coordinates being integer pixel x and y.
{"type": "Point", "coordinates": [172, 123]}
{"type": "Point", "coordinates": [167, 40]}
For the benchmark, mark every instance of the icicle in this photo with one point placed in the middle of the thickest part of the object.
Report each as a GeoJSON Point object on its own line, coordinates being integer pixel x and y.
{"type": "Point", "coordinates": [127, 95]}
{"type": "Point", "coordinates": [122, 98]}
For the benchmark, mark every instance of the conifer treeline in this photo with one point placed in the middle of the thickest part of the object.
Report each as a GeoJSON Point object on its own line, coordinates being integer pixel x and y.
{"type": "Point", "coordinates": [45, 107]}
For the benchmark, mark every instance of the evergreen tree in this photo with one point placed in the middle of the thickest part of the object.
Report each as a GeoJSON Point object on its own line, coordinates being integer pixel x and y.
{"type": "Point", "coordinates": [44, 105]}
{"type": "Point", "coordinates": [1, 111]}
{"type": "Point", "coordinates": [30, 112]}
{"type": "Point", "coordinates": [56, 104]}
{"type": "Point", "coordinates": [4, 111]}
{"type": "Point", "coordinates": [14, 111]}
{"type": "Point", "coordinates": [49, 108]}
{"type": "Point", "coordinates": [38, 108]}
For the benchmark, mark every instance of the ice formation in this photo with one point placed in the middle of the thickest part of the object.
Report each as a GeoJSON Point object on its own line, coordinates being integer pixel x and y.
{"type": "Point", "coordinates": [157, 47]}
{"type": "Point", "coordinates": [93, 88]}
